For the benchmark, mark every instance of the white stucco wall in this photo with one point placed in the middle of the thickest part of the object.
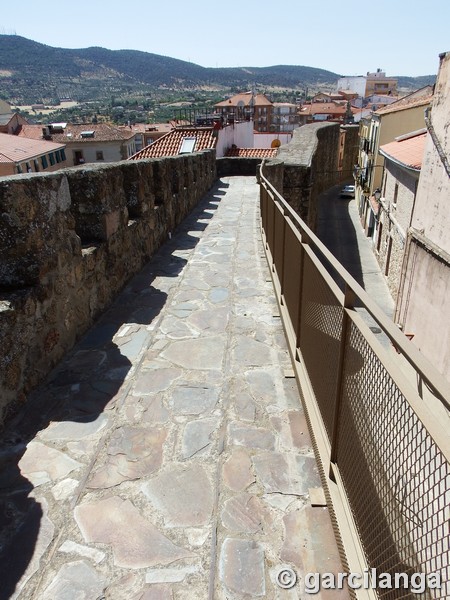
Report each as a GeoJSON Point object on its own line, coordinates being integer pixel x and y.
{"type": "Point", "coordinates": [264, 140]}
{"type": "Point", "coordinates": [352, 84]}
{"type": "Point", "coordinates": [111, 152]}
{"type": "Point", "coordinates": [424, 299]}
{"type": "Point", "coordinates": [240, 134]}
{"type": "Point", "coordinates": [431, 212]}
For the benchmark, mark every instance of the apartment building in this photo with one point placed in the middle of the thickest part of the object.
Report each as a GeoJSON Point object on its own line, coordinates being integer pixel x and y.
{"type": "Point", "coordinates": [393, 204]}
{"type": "Point", "coordinates": [339, 111]}
{"type": "Point", "coordinates": [21, 155]}
{"type": "Point", "coordinates": [247, 106]}
{"type": "Point", "coordinates": [86, 143]}
{"type": "Point", "coordinates": [378, 84]}
{"type": "Point", "coordinates": [369, 84]}
{"type": "Point", "coordinates": [423, 302]}
{"type": "Point", "coordinates": [285, 117]}
{"type": "Point", "coordinates": [376, 129]}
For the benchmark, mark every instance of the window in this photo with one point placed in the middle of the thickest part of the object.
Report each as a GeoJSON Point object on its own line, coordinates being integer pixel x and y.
{"type": "Point", "coordinates": [380, 231]}
{"type": "Point", "coordinates": [57, 156]}
{"type": "Point", "coordinates": [51, 156]}
{"type": "Point", "coordinates": [63, 155]}
{"type": "Point", "coordinates": [394, 201]}
{"type": "Point", "coordinates": [44, 162]}
{"type": "Point", "coordinates": [78, 157]}
{"type": "Point", "coordinates": [187, 145]}
{"type": "Point", "coordinates": [99, 155]}
{"type": "Point", "coordinates": [36, 165]}
{"type": "Point", "coordinates": [388, 257]}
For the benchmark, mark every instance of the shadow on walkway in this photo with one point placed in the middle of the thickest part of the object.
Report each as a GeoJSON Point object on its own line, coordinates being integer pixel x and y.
{"type": "Point", "coordinates": [86, 382]}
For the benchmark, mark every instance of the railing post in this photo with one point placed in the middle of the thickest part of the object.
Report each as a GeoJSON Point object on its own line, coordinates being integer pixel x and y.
{"type": "Point", "coordinates": [385, 450]}
{"type": "Point", "coordinates": [283, 255]}
{"type": "Point", "coordinates": [262, 204]}
{"type": "Point", "coordinates": [305, 241]}
{"type": "Point", "coordinates": [349, 301]}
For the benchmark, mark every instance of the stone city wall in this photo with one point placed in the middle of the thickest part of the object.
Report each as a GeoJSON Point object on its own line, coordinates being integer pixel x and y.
{"type": "Point", "coordinates": [69, 241]}
{"type": "Point", "coordinates": [229, 166]}
{"type": "Point", "coordinates": [350, 151]}
{"type": "Point", "coordinates": [306, 167]}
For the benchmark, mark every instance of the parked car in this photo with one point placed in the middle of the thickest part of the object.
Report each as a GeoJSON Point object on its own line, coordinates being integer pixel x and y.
{"type": "Point", "coordinates": [348, 191]}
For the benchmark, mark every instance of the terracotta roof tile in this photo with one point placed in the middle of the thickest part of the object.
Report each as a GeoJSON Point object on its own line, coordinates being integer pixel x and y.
{"type": "Point", "coordinates": [17, 149]}
{"type": "Point", "coordinates": [170, 144]}
{"type": "Point", "coordinates": [245, 98]}
{"type": "Point", "coordinates": [103, 132]}
{"type": "Point", "coordinates": [152, 128]}
{"type": "Point", "coordinates": [408, 152]}
{"type": "Point", "coordinates": [252, 152]}
{"type": "Point", "coordinates": [324, 108]}
{"type": "Point", "coordinates": [5, 119]}
{"type": "Point", "coordinates": [404, 104]}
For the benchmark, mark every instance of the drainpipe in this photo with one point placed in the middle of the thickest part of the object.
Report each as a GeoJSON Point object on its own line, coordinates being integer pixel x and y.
{"type": "Point", "coordinates": [436, 142]}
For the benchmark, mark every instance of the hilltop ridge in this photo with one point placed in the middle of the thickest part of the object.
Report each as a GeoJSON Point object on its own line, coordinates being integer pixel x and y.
{"type": "Point", "coordinates": [30, 70]}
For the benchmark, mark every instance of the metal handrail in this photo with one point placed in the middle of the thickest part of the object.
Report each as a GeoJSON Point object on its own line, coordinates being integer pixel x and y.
{"type": "Point", "coordinates": [415, 358]}
{"type": "Point", "coordinates": [383, 450]}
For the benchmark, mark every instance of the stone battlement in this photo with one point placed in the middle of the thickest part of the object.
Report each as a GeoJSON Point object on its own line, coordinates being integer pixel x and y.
{"type": "Point", "coordinates": [69, 241]}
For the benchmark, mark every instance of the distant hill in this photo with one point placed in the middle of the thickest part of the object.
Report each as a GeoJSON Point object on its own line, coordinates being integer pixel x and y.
{"type": "Point", "coordinates": [415, 83]}
{"type": "Point", "coordinates": [30, 71]}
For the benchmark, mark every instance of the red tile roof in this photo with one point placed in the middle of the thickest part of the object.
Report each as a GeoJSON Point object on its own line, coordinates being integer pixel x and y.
{"type": "Point", "coordinates": [407, 152]}
{"type": "Point", "coordinates": [103, 132]}
{"type": "Point", "coordinates": [404, 104]}
{"type": "Point", "coordinates": [150, 127]}
{"type": "Point", "coordinates": [245, 98]}
{"type": "Point", "coordinates": [170, 144]}
{"type": "Point", "coordinates": [324, 108]}
{"type": "Point", "coordinates": [329, 97]}
{"type": "Point", "coordinates": [252, 152]}
{"type": "Point", "coordinates": [15, 149]}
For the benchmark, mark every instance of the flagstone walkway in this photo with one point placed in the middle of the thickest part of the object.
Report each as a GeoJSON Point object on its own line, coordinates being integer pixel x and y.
{"type": "Point", "coordinates": [168, 455]}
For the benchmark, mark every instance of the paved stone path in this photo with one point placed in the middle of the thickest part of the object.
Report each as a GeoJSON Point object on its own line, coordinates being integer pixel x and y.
{"type": "Point", "coordinates": [168, 455]}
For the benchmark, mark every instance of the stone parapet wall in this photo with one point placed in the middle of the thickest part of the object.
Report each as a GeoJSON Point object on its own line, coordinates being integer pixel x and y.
{"type": "Point", "coordinates": [69, 241]}
{"type": "Point", "coordinates": [229, 166]}
{"type": "Point", "coordinates": [310, 166]}
{"type": "Point", "coordinates": [350, 152]}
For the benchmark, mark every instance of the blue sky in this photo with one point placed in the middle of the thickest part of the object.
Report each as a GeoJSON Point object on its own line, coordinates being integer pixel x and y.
{"type": "Point", "coordinates": [346, 37]}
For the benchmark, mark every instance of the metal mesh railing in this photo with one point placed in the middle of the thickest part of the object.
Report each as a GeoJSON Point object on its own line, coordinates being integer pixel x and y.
{"type": "Point", "coordinates": [393, 472]}
{"type": "Point", "coordinates": [385, 449]}
{"type": "Point", "coordinates": [321, 328]}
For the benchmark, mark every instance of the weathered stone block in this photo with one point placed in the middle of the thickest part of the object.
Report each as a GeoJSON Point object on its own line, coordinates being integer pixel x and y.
{"type": "Point", "coordinates": [67, 246]}
{"type": "Point", "coordinates": [34, 220]}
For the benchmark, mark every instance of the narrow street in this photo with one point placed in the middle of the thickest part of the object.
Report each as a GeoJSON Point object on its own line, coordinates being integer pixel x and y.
{"type": "Point", "coordinates": [339, 228]}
